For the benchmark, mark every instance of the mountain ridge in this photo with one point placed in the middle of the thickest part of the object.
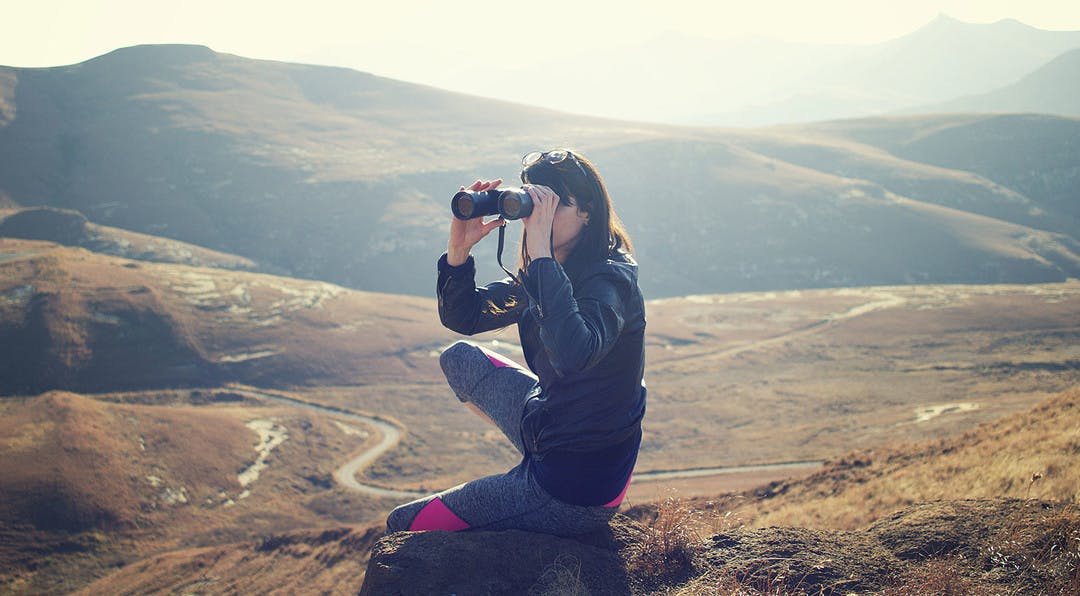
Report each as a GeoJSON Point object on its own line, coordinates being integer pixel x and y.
{"type": "Point", "coordinates": [331, 174]}
{"type": "Point", "coordinates": [1046, 90]}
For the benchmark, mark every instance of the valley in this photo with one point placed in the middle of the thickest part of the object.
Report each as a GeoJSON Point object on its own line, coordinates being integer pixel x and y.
{"type": "Point", "coordinates": [745, 389]}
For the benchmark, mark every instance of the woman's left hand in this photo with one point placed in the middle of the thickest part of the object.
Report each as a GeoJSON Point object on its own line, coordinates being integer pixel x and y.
{"type": "Point", "coordinates": [538, 224]}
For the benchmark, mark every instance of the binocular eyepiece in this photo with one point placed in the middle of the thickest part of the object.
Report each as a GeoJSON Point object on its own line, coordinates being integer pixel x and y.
{"type": "Point", "coordinates": [508, 203]}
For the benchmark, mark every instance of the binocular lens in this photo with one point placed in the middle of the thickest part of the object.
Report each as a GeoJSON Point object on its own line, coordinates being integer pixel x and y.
{"type": "Point", "coordinates": [464, 206]}
{"type": "Point", "coordinates": [510, 205]}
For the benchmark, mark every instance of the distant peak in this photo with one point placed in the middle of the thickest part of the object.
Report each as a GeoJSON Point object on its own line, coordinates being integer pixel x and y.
{"type": "Point", "coordinates": [160, 54]}
{"type": "Point", "coordinates": [943, 21]}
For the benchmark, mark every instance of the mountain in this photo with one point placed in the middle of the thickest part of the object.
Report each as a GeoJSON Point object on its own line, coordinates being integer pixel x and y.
{"type": "Point", "coordinates": [1052, 89]}
{"type": "Point", "coordinates": [945, 59]}
{"type": "Point", "coordinates": [756, 81]}
{"type": "Point", "coordinates": [342, 176]}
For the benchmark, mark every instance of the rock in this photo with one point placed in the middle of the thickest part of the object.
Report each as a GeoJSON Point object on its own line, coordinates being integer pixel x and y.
{"type": "Point", "coordinates": [939, 528]}
{"type": "Point", "coordinates": [507, 562]}
{"type": "Point", "coordinates": [801, 559]}
{"type": "Point", "coordinates": [63, 226]}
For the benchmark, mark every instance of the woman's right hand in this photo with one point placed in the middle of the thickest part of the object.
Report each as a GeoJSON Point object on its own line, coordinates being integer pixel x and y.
{"type": "Point", "coordinates": [465, 233]}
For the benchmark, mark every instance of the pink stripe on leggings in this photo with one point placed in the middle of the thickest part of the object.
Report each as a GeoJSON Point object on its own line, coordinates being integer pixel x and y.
{"type": "Point", "coordinates": [617, 500]}
{"type": "Point", "coordinates": [499, 360]}
{"type": "Point", "coordinates": [437, 516]}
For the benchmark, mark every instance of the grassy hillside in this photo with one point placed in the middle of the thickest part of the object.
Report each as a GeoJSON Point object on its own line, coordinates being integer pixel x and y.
{"type": "Point", "coordinates": [92, 483]}
{"type": "Point", "coordinates": [329, 561]}
{"type": "Point", "coordinates": [339, 175]}
{"type": "Point", "coordinates": [1026, 455]}
{"type": "Point", "coordinates": [111, 466]}
{"type": "Point", "coordinates": [1029, 154]}
{"type": "Point", "coordinates": [77, 320]}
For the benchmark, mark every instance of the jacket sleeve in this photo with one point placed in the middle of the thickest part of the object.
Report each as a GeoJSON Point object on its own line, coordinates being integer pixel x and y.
{"type": "Point", "coordinates": [469, 310]}
{"type": "Point", "coordinates": [576, 332]}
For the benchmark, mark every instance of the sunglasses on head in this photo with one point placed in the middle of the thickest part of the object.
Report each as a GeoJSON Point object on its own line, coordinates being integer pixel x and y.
{"type": "Point", "coordinates": [553, 157]}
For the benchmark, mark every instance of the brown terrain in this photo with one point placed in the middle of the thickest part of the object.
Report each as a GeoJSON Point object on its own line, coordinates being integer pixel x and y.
{"type": "Point", "coordinates": [947, 545]}
{"type": "Point", "coordinates": [153, 393]}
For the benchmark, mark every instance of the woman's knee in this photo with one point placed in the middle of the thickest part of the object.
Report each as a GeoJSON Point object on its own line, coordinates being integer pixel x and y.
{"type": "Point", "coordinates": [458, 353]}
{"type": "Point", "coordinates": [401, 518]}
{"type": "Point", "coordinates": [464, 364]}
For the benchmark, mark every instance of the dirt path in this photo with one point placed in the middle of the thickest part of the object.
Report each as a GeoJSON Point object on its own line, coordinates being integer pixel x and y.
{"type": "Point", "coordinates": [882, 300]}
{"type": "Point", "coordinates": [391, 436]}
{"type": "Point", "coordinates": [703, 472]}
{"type": "Point", "coordinates": [346, 474]}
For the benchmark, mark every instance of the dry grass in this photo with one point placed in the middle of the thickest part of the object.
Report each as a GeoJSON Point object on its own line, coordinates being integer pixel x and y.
{"type": "Point", "coordinates": [1045, 552]}
{"type": "Point", "coordinates": [945, 576]}
{"type": "Point", "coordinates": [674, 532]}
{"type": "Point", "coordinates": [996, 460]}
{"type": "Point", "coordinates": [668, 545]}
{"type": "Point", "coordinates": [561, 578]}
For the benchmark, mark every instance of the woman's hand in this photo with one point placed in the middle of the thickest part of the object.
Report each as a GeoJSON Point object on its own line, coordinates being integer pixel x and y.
{"type": "Point", "coordinates": [538, 224]}
{"type": "Point", "coordinates": [465, 233]}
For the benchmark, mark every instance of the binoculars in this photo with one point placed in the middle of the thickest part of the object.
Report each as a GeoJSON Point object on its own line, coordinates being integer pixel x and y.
{"type": "Point", "coordinates": [508, 203]}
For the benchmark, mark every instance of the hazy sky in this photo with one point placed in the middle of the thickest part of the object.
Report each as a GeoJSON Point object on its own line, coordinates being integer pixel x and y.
{"type": "Point", "coordinates": [417, 40]}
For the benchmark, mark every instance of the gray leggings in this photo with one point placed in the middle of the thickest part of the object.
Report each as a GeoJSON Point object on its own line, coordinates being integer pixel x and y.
{"type": "Point", "coordinates": [512, 500]}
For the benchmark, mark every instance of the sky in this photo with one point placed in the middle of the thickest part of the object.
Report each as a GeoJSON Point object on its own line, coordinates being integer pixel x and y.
{"type": "Point", "coordinates": [420, 40]}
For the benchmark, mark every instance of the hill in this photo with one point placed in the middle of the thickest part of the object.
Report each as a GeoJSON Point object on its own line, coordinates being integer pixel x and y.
{"type": "Point", "coordinates": [338, 175]}
{"type": "Point", "coordinates": [1023, 153]}
{"type": "Point", "coordinates": [1051, 89]}
{"type": "Point", "coordinates": [1026, 455]}
{"type": "Point", "coordinates": [71, 228]}
{"type": "Point", "coordinates": [77, 320]}
{"type": "Point", "coordinates": [93, 478]}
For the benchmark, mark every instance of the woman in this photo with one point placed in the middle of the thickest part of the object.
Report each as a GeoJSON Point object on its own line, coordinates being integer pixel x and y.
{"type": "Point", "coordinates": [576, 417]}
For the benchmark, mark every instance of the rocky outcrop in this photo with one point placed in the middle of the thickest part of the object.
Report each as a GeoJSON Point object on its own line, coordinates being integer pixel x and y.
{"type": "Point", "coordinates": [969, 539]}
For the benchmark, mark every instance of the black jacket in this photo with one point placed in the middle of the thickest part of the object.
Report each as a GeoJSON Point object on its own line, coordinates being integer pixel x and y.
{"type": "Point", "coordinates": [584, 339]}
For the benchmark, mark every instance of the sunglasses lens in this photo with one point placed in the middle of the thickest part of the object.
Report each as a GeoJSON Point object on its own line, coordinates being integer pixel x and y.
{"type": "Point", "coordinates": [531, 158]}
{"type": "Point", "coordinates": [557, 156]}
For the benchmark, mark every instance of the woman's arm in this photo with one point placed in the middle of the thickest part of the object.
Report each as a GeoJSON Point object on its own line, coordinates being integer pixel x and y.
{"type": "Point", "coordinates": [468, 309]}
{"type": "Point", "coordinates": [463, 307]}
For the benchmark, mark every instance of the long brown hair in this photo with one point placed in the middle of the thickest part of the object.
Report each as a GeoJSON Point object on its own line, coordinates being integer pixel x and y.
{"type": "Point", "coordinates": [604, 233]}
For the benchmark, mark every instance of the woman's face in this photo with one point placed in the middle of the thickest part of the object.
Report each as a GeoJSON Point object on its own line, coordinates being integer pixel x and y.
{"type": "Point", "coordinates": [567, 227]}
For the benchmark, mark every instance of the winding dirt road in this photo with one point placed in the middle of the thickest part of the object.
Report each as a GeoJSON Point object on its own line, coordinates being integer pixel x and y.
{"type": "Point", "coordinates": [346, 474]}
{"type": "Point", "coordinates": [391, 436]}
